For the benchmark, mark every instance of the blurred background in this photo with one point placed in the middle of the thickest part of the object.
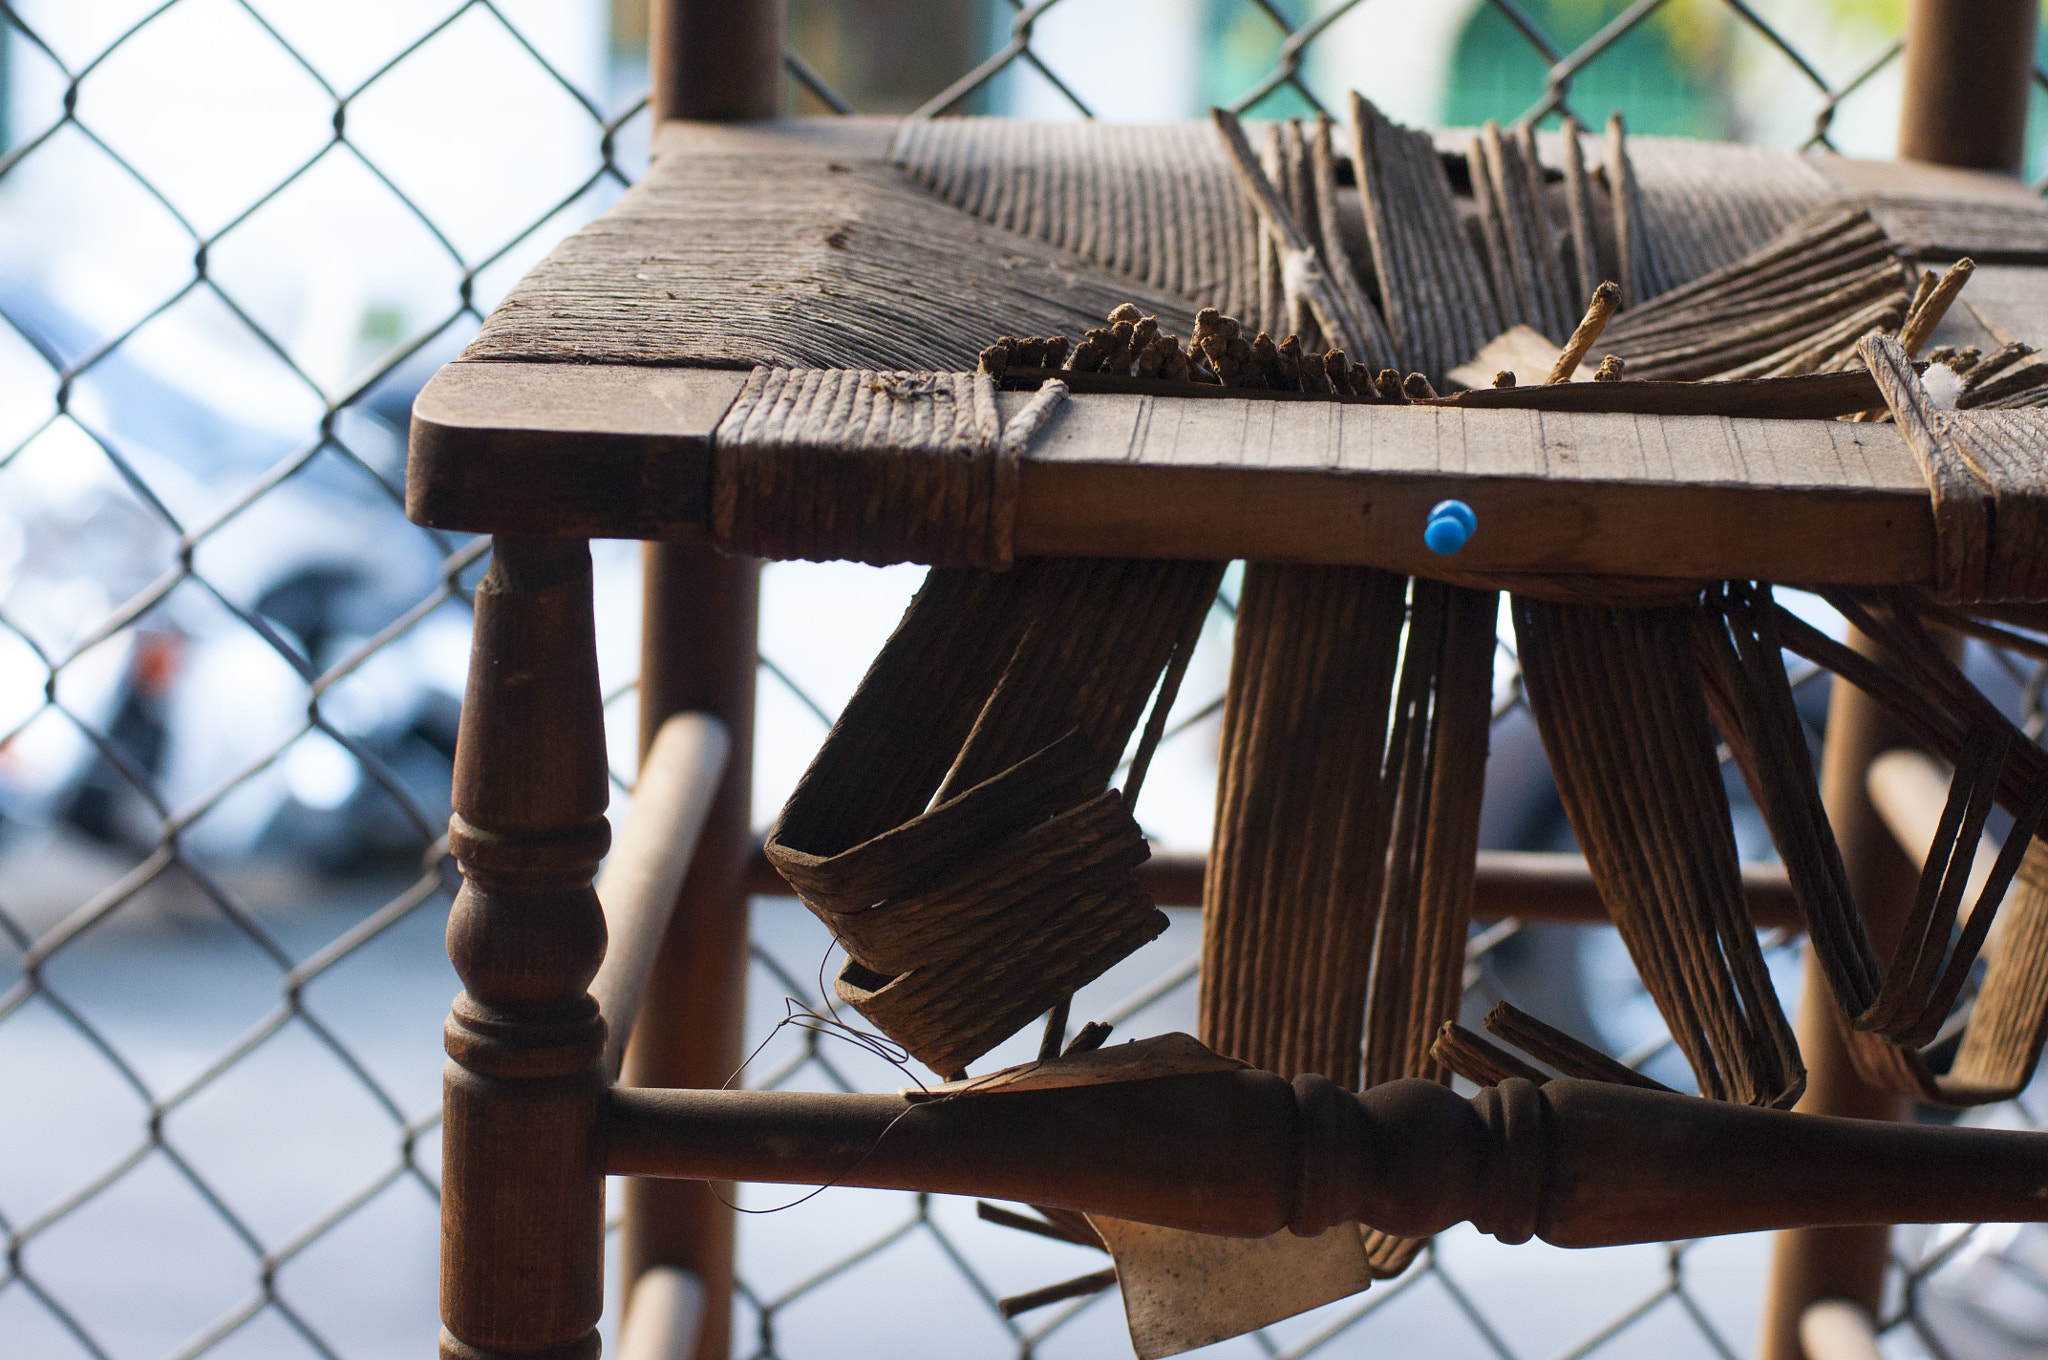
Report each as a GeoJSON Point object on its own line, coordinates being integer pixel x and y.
{"type": "Point", "coordinates": [236, 237]}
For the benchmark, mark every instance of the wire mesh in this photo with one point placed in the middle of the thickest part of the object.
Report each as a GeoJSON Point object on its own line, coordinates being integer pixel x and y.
{"type": "Point", "coordinates": [229, 670]}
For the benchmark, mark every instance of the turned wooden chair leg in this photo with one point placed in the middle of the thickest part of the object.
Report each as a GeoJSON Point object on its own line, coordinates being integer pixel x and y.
{"type": "Point", "coordinates": [522, 1197]}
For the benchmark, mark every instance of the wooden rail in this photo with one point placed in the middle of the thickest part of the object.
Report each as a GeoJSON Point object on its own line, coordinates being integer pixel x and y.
{"type": "Point", "coordinates": [650, 856]}
{"type": "Point", "coordinates": [624, 451]}
{"type": "Point", "coordinates": [664, 1315]}
{"type": "Point", "coordinates": [1835, 1329]}
{"type": "Point", "coordinates": [1244, 1153]}
{"type": "Point", "coordinates": [1525, 884]}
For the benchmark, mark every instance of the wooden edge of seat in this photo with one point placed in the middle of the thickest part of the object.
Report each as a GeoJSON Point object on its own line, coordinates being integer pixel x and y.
{"type": "Point", "coordinates": [566, 450]}
{"type": "Point", "coordinates": [623, 451]}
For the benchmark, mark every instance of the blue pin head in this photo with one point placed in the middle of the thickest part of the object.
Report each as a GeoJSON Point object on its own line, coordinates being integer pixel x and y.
{"type": "Point", "coordinates": [1449, 527]}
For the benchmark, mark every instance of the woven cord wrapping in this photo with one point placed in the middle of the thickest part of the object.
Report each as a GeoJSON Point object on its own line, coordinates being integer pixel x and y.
{"type": "Point", "coordinates": [1988, 474]}
{"type": "Point", "coordinates": [956, 831]}
{"type": "Point", "coordinates": [1340, 882]}
{"type": "Point", "coordinates": [873, 467]}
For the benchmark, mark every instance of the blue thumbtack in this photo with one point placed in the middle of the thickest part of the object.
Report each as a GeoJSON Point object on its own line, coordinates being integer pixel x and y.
{"type": "Point", "coordinates": [1450, 526]}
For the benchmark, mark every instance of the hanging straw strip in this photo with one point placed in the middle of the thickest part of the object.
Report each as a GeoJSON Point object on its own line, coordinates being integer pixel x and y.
{"type": "Point", "coordinates": [1431, 791]}
{"type": "Point", "coordinates": [955, 830]}
{"type": "Point", "coordinates": [1299, 852]}
{"type": "Point", "coordinates": [1619, 702]}
{"type": "Point", "coordinates": [1886, 1013]}
{"type": "Point", "coordinates": [1889, 1012]}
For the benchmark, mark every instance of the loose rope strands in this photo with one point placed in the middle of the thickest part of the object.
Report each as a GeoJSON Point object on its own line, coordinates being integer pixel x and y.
{"type": "Point", "coordinates": [1619, 702]}
{"type": "Point", "coordinates": [1340, 879]}
{"type": "Point", "coordinates": [1299, 853]}
{"type": "Point", "coordinates": [955, 831]}
{"type": "Point", "coordinates": [1737, 640]}
{"type": "Point", "coordinates": [2002, 1043]}
{"type": "Point", "coordinates": [1438, 306]}
{"type": "Point", "coordinates": [1886, 1016]}
{"type": "Point", "coordinates": [1907, 1002]}
{"type": "Point", "coordinates": [1432, 789]}
{"type": "Point", "coordinates": [1920, 987]}
{"type": "Point", "coordinates": [1987, 472]}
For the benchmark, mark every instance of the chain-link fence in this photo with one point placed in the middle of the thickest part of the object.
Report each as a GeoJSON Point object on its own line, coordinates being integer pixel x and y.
{"type": "Point", "coordinates": [235, 238]}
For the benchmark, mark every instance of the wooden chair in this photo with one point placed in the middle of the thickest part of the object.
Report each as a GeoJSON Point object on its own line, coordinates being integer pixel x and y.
{"type": "Point", "coordinates": [571, 420]}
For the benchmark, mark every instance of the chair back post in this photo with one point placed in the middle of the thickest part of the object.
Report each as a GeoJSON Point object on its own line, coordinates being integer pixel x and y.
{"type": "Point", "coordinates": [1968, 72]}
{"type": "Point", "coordinates": [1969, 69]}
{"type": "Point", "coordinates": [715, 60]}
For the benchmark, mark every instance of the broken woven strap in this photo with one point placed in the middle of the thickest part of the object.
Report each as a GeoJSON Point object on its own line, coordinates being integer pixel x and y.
{"type": "Point", "coordinates": [873, 467]}
{"type": "Point", "coordinates": [1618, 699]}
{"type": "Point", "coordinates": [1999, 1047]}
{"type": "Point", "coordinates": [1484, 1063]}
{"type": "Point", "coordinates": [1430, 279]}
{"type": "Point", "coordinates": [1340, 881]}
{"type": "Point", "coordinates": [1887, 1014]}
{"type": "Point", "coordinates": [1797, 304]}
{"type": "Point", "coordinates": [956, 830]}
{"type": "Point", "coordinates": [1988, 474]}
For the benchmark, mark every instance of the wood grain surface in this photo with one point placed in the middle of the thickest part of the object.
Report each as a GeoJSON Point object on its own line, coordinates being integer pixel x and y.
{"type": "Point", "coordinates": [1680, 497]}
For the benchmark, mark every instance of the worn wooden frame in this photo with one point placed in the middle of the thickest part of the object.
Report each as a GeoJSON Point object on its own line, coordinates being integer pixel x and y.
{"type": "Point", "coordinates": [548, 455]}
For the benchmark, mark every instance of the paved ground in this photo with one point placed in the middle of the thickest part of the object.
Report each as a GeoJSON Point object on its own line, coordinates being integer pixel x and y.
{"type": "Point", "coordinates": [291, 1132]}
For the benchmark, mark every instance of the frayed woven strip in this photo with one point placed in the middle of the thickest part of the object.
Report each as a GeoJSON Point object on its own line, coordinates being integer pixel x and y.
{"type": "Point", "coordinates": [1297, 868]}
{"type": "Point", "coordinates": [1481, 1061]}
{"type": "Point", "coordinates": [956, 830]}
{"type": "Point", "coordinates": [1340, 881]}
{"type": "Point", "coordinates": [1887, 1014]}
{"type": "Point", "coordinates": [1620, 704]}
{"type": "Point", "coordinates": [1988, 474]}
{"type": "Point", "coordinates": [874, 467]}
